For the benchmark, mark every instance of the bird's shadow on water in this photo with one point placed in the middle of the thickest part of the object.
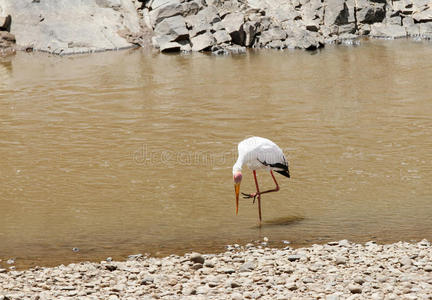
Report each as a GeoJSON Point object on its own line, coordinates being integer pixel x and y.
{"type": "Point", "coordinates": [281, 221]}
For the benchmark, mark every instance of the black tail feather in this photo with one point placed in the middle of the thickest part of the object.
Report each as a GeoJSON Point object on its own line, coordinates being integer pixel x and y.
{"type": "Point", "coordinates": [284, 173]}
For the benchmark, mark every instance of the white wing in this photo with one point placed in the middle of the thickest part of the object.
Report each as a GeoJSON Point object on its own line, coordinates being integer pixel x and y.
{"type": "Point", "coordinates": [259, 153]}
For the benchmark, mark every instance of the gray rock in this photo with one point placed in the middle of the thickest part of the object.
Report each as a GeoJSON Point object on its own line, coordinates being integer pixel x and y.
{"type": "Point", "coordinates": [203, 20]}
{"type": "Point", "coordinates": [272, 34]}
{"type": "Point", "coordinates": [294, 257]}
{"type": "Point", "coordinates": [5, 23]}
{"type": "Point", "coordinates": [236, 296]}
{"type": "Point", "coordinates": [50, 26]}
{"type": "Point", "coordinates": [292, 286]}
{"type": "Point", "coordinates": [197, 266]}
{"type": "Point", "coordinates": [405, 261]}
{"type": "Point", "coordinates": [165, 9]}
{"type": "Point", "coordinates": [233, 23]}
{"type": "Point", "coordinates": [340, 260]}
{"type": "Point", "coordinates": [336, 12]}
{"type": "Point", "coordinates": [222, 36]}
{"type": "Point", "coordinates": [423, 16]}
{"type": "Point", "coordinates": [203, 42]}
{"type": "Point", "coordinates": [249, 28]}
{"type": "Point", "coordinates": [247, 266]}
{"type": "Point", "coordinates": [355, 288]}
{"type": "Point", "coordinates": [147, 280]}
{"type": "Point", "coordinates": [172, 29]}
{"type": "Point", "coordinates": [197, 258]}
{"type": "Point", "coordinates": [381, 30]}
{"type": "Point", "coordinates": [368, 12]}
{"type": "Point", "coordinates": [167, 46]}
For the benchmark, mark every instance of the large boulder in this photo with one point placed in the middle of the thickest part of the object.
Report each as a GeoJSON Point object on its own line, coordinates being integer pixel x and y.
{"type": "Point", "coordinates": [67, 27]}
{"type": "Point", "coordinates": [203, 42]}
{"type": "Point", "coordinates": [368, 12]}
{"type": "Point", "coordinates": [336, 12]}
{"type": "Point", "coordinates": [203, 20]}
{"type": "Point", "coordinates": [233, 23]}
{"type": "Point", "coordinates": [423, 16]}
{"type": "Point", "coordinates": [381, 30]}
{"type": "Point", "coordinates": [172, 29]}
{"type": "Point", "coordinates": [162, 9]}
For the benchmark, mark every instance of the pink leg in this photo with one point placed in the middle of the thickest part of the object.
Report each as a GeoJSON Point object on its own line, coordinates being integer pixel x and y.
{"type": "Point", "coordinates": [277, 185]}
{"type": "Point", "coordinates": [258, 194]}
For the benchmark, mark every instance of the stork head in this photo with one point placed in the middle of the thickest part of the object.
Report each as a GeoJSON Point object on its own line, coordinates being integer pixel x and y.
{"type": "Point", "coordinates": [237, 176]}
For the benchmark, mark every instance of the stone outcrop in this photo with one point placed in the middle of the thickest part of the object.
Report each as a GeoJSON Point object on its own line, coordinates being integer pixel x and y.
{"type": "Point", "coordinates": [69, 27]}
{"type": "Point", "coordinates": [293, 24]}
{"type": "Point", "coordinates": [221, 26]}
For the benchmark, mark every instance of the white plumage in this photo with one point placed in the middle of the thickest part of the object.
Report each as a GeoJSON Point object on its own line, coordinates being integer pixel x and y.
{"type": "Point", "coordinates": [258, 153]}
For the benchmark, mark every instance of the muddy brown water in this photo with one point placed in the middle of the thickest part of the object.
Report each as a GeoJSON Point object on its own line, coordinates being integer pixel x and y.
{"type": "Point", "coordinates": [130, 152]}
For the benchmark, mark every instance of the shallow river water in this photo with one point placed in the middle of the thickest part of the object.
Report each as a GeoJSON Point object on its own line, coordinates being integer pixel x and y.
{"type": "Point", "coordinates": [131, 152]}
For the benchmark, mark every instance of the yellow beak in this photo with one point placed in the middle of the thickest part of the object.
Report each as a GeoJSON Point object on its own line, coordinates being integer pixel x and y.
{"type": "Point", "coordinates": [237, 192]}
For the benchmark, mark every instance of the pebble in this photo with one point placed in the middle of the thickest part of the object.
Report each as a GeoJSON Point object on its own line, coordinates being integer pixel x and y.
{"type": "Point", "coordinates": [340, 260]}
{"type": "Point", "coordinates": [355, 289]}
{"type": "Point", "coordinates": [197, 258]}
{"type": "Point", "coordinates": [375, 272]}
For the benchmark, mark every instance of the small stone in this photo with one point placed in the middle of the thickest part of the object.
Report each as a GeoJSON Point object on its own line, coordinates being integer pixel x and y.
{"type": "Point", "coordinates": [10, 261]}
{"type": "Point", "coordinates": [428, 268]}
{"type": "Point", "coordinates": [109, 259]}
{"type": "Point", "coordinates": [247, 266]}
{"type": "Point", "coordinates": [265, 239]}
{"type": "Point", "coordinates": [332, 297]}
{"type": "Point", "coordinates": [113, 297]}
{"type": "Point", "coordinates": [111, 267]}
{"type": "Point", "coordinates": [147, 280]}
{"type": "Point", "coordinates": [355, 289]}
{"type": "Point", "coordinates": [292, 286]}
{"type": "Point", "coordinates": [75, 249]}
{"type": "Point", "coordinates": [406, 261]}
{"type": "Point", "coordinates": [235, 284]}
{"type": "Point", "coordinates": [340, 260]}
{"type": "Point", "coordinates": [208, 264]}
{"type": "Point", "coordinates": [197, 266]}
{"type": "Point", "coordinates": [228, 271]}
{"type": "Point", "coordinates": [293, 257]}
{"type": "Point", "coordinates": [237, 296]}
{"type": "Point", "coordinates": [197, 258]}
{"type": "Point", "coordinates": [3, 270]}
{"type": "Point", "coordinates": [308, 280]}
{"type": "Point", "coordinates": [359, 280]}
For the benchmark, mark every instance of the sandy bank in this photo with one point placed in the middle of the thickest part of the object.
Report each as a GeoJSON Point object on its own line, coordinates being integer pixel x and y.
{"type": "Point", "coordinates": [338, 270]}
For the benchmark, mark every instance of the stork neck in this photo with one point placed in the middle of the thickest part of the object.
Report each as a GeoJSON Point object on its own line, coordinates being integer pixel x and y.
{"type": "Point", "coordinates": [238, 165]}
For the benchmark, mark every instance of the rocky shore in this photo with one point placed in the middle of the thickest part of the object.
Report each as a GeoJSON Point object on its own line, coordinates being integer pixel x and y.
{"type": "Point", "coordinates": [220, 26]}
{"type": "Point", "coordinates": [337, 270]}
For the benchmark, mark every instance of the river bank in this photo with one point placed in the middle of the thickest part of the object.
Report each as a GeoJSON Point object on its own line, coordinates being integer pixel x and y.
{"type": "Point", "coordinates": [219, 26]}
{"type": "Point", "coordinates": [336, 270]}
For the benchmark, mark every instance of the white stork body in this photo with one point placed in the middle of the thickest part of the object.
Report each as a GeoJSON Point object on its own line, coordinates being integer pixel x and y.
{"type": "Point", "coordinates": [258, 153]}
{"type": "Point", "coordinates": [254, 151]}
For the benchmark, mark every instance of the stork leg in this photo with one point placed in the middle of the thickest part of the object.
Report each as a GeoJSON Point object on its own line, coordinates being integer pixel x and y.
{"type": "Point", "coordinates": [254, 195]}
{"type": "Point", "coordinates": [277, 185]}
{"type": "Point", "coordinates": [257, 194]}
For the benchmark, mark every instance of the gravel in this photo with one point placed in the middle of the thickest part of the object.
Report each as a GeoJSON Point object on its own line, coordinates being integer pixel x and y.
{"type": "Point", "coordinates": [337, 270]}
